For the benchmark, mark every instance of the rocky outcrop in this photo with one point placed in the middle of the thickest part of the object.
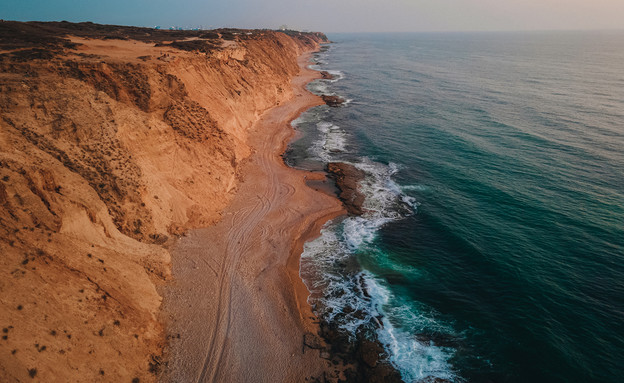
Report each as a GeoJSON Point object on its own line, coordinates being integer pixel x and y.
{"type": "Point", "coordinates": [325, 75]}
{"type": "Point", "coordinates": [366, 359]}
{"type": "Point", "coordinates": [333, 101]}
{"type": "Point", "coordinates": [110, 146]}
{"type": "Point", "coordinates": [347, 178]}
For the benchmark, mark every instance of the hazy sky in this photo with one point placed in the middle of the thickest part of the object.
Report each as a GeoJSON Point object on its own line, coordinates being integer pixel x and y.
{"type": "Point", "coordinates": [332, 16]}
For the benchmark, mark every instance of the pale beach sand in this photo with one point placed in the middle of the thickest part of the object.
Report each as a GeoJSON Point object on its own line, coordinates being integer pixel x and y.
{"type": "Point", "coordinates": [237, 300]}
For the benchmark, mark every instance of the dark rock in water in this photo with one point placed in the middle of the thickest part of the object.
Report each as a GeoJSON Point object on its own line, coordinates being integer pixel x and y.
{"type": "Point", "coordinates": [338, 340]}
{"type": "Point", "coordinates": [370, 352]}
{"type": "Point", "coordinates": [333, 101]}
{"type": "Point", "coordinates": [362, 351]}
{"type": "Point", "coordinates": [347, 178]}
{"type": "Point", "coordinates": [384, 373]}
{"type": "Point", "coordinates": [326, 75]}
{"type": "Point", "coordinates": [359, 314]}
{"type": "Point", "coordinates": [431, 379]}
{"type": "Point", "coordinates": [372, 363]}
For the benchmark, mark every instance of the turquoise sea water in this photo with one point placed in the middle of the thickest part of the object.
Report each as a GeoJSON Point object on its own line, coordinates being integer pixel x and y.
{"type": "Point", "coordinates": [493, 244]}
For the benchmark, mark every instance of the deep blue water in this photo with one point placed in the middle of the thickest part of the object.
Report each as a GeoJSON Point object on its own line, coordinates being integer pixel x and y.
{"type": "Point", "coordinates": [493, 243]}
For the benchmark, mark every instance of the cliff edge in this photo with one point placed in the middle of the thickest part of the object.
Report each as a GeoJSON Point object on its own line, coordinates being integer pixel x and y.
{"type": "Point", "coordinates": [114, 140]}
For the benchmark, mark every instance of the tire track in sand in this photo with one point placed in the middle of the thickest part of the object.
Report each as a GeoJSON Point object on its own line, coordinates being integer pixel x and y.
{"type": "Point", "coordinates": [270, 207]}
{"type": "Point", "coordinates": [244, 223]}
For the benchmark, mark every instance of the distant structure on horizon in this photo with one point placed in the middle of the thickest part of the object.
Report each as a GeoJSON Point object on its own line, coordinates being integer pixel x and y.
{"type": "Point", "coordinates": [286, 28]}
{"type": "Point", "coordinates": [187, 28]}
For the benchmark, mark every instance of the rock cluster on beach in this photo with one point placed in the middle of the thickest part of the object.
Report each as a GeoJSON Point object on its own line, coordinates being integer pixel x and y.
{"type": "Point", "coordinates": [365, 356]}
{"type": "Point", "coordinates": [325, 75]}
{"type": "Point", "coordinates": [347, 178]}
{"type": "Point", "coordinates": [333, 101]}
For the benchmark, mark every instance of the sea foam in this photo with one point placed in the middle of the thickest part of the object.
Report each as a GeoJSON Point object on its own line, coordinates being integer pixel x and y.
{"type": "Point", "coordinates": [344, 293]}
{"type": "Point", "coordinates": [332, 140]}
{"type": "Point", "coordinates": [352, 297]}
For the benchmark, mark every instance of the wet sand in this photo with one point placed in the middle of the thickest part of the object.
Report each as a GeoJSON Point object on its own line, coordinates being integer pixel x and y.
{"type": "Point", "coordinates": [237, 310]}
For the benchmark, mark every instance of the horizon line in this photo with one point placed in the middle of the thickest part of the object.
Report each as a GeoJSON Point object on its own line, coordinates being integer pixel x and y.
{"type": "Point", "coordinates": [346, 32]}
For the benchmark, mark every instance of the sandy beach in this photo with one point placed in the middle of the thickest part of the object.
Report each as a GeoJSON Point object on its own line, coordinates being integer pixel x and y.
{"type": "Point", "coordinates": [237, 310]}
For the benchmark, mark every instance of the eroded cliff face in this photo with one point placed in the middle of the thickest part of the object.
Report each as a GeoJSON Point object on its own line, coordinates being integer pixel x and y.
{"type": "Point", "coordinates": [109, 148]}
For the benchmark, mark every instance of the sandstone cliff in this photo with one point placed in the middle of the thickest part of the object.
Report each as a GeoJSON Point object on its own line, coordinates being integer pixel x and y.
{"type": "Point", "coordinates": [113, 140]}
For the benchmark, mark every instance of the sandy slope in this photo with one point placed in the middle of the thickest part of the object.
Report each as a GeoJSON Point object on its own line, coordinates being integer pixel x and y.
{"type": "Point", "coordinates": [238, 303]}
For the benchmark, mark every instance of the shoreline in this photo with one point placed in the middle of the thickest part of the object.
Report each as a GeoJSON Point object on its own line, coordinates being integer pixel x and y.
{"type": "Point", "coordinates": [241, 306]}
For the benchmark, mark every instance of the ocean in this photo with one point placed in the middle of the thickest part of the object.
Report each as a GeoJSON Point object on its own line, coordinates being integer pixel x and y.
{"type": "Point", "coordinates": [492, 246]}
